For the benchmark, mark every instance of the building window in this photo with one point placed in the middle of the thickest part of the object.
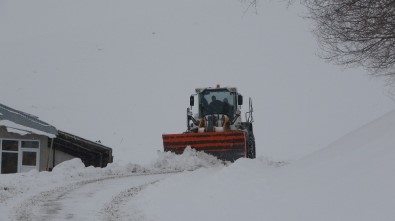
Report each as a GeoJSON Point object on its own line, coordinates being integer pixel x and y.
{"type": "Point", "coordinates": [9, 162]}
{"type": "Point", "coordinates": [30, 144]}
{"type": "Point", "coordinates": [29, 158]}
{"type": "Point", "coordinates": [10, 145]}
{"type": "Point", "coordinates": [9, 156]}
{"type": "Point", "coordinates": [19, 155]}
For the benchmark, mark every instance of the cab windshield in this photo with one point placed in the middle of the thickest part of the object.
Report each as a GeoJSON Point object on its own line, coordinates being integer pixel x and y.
{"type": "Point", "coordinates": [219, 101]}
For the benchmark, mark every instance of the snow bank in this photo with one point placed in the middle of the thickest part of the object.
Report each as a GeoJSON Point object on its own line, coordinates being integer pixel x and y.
{"type": "Point", "coordinates": [23, 185]}
{"type": "Point", "coordinates": [216, 193]}
{"type": "Point", "coordinates": [189, 160]}
{"type": "Point", "coordinates": [70, 166]}
{"type": "Point", "coordinates": [352, 179]}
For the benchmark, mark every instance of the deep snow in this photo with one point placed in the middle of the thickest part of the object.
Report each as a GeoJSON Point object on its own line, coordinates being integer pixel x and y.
{"type": "Point", "coordinates": [351, 179]}
{"type": "Point", "coordinates": [18, 189]}
{"type": "Point", "coordinates": [121, 72]}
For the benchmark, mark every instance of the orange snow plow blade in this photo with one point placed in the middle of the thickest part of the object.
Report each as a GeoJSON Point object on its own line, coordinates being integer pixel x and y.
{"type": "Point", "coordinates": [230, 145]}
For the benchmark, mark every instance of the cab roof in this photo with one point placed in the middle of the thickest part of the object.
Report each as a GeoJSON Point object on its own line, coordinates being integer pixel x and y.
{"type": "Point", "coordinates": [200, 90]}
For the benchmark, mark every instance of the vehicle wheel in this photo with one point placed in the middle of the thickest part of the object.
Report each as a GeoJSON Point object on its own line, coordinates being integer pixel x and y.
{"type": "Point", "coordinates": [251, 146]}
{"type": "Point", "coordinates": [210, 123]}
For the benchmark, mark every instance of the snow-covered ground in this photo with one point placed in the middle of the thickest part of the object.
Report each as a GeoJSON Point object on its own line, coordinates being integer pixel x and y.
{"type": "Point", "coordinates": [351, 180]}
{"type": "Point", "coordinates": [74, 192]}
{"type": "Point", "coordinates": [121, 72]}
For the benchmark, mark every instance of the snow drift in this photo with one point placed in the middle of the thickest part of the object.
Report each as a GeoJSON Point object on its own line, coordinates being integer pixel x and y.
{"type": "Point", "coordinates": [16, 188]}
{"type": "Point", "coordinates": [351, 179]}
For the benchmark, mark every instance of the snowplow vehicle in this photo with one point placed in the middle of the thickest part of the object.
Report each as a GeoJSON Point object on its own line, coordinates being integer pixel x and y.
{"type": "Point", "coordinates": [216, 128]}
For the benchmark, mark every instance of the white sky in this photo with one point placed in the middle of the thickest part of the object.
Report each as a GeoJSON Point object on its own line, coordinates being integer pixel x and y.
{"type": "Point", "coordinates": [122, 71]}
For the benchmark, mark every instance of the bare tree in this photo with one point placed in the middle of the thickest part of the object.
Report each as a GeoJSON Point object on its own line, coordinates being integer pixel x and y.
{"type": "Point", "coordinates": [356, 32]}
{"type": "Point", "coordinates": [250, 4]}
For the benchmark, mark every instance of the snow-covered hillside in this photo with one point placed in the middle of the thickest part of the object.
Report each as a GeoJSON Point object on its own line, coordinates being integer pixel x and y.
{"type": "Point", "coordinates": [351, 180]}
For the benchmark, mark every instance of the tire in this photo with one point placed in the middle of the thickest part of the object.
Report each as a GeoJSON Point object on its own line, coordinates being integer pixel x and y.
{"type": "Point", "coordinates": [251, 153]}
{"type": "Point", "coordinates": [210, 123]}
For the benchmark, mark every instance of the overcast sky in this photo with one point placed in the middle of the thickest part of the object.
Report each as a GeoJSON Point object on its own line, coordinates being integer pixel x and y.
{"type": "Point", "coordinates": [122, 71]}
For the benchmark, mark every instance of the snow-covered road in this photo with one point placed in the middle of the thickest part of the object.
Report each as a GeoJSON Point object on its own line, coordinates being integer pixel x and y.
{"type": "Point", "coordinates": [75, 192]}
{"type": "Point", "coordinates": [97, 199]}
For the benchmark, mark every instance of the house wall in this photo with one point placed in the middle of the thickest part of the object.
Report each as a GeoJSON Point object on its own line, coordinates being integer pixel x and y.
{"type": "Point", "coordinates": [62, 156]}
{"type": "Point", "coordinates": [27, 156]}
{"type": "Point", "coordinates": [43, 156]}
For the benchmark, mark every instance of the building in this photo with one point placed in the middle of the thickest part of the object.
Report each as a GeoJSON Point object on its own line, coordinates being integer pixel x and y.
{"type": "Point", "coordinates": [27, 143]}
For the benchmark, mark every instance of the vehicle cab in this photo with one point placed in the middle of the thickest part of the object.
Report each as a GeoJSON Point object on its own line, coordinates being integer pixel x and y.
{"type": "Point", "coordinates": [220, 104]}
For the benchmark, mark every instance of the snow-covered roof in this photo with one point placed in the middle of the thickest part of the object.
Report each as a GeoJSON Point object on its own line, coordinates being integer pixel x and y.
{"type": "Point", "coordinates": [23, 123]}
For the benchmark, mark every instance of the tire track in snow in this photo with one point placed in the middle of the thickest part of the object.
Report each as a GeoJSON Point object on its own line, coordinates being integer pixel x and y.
{"type": "Point", "coordinates": [112, 210]}
{"type": "Point", "coordinates": [24, 212]}
{"type": "Point", "coordinates": [49, 199]}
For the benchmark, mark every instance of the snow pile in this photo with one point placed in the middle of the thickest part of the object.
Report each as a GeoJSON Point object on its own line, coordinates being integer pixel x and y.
{"type": "Point", "coordinates": [189, 160]}
{"type": "Point", "coordinates": [352, 179]}
{"type": "Point", "coordinates": [70, 166]}
{"type": "Point", "coordinates": [15, 185]}
{"type": "Point", "coordinates": [165, 162]}
{"type": "Point", "coordinates": [24, 184]}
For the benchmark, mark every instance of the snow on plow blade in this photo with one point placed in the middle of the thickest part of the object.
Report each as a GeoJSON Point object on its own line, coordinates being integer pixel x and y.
{"type": "Point", "coordinates": [229, 145]}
